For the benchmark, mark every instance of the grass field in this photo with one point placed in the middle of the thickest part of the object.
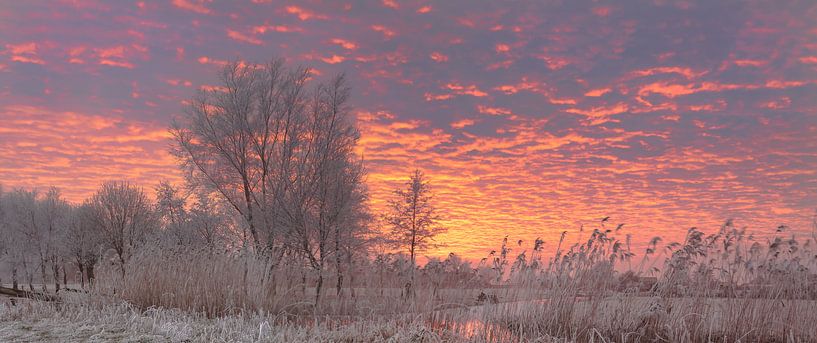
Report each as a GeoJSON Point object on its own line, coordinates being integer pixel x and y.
{"type": "Point", "coordinates": [722, 287]}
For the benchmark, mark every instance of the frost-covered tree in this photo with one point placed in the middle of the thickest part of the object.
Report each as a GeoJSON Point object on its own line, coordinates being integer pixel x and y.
{"type": "Point", "coordinates": [413, 219]}
{"type": "Point", "coordinates": [171, 211]}
{"type": "Point", "coordinates": [36, 224]}
{"type": "Point", "coordinates": [124, 217]}
{"type": "Point", "coordinates": [5, 235]}
{"type": "Point", "coordinates": [323, 200]}
{"type": "Point", "coordinates": [281, 154]}
{"type": "Point", "coordinates": [14, 250]}
{"type": "Point", "coordinates": [84, 242]}
{"type": "Point", "coordinates": [239, 139]}
{"type": "Point", "coordinates": [210, 221]}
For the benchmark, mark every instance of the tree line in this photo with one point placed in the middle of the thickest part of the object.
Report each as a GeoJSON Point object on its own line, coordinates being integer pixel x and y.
{"type": "Point", "coordinates": [270, 168]}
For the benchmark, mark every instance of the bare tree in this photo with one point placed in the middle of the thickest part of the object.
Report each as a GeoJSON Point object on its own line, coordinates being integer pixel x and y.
{"type": "Point", "coordinates": [5, 234]}
{"type": "Point", "coordinates": [124, 216]}
{"type": "Point", "coordinates": [38, 222]}
{"type": "Point", "coordinates": [238, 139]}
{"type": "Point", "coordinates": [171, 211]}
{"type": "Point", "coordinates": [83, 242]}
{"type": "Point", "coordinates": [54, 211]}
{"type": "Point", "coordinates": [413, 219]}
{"type": "Point", "coordinates": [209, 221]}
{"type": "Point", "coordinates": [12, 238]}
{"type": "Point", "coordinates": [282, 157]}
{"type": "Point", "coordinates": [323, 201]}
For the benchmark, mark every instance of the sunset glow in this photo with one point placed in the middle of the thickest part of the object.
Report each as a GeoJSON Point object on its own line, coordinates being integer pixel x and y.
{"type": "Point", "coordinates": [529, 119]}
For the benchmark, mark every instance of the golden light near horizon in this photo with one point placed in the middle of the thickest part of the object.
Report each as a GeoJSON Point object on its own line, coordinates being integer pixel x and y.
{"type": "Point", "coordinates": [529, 120]}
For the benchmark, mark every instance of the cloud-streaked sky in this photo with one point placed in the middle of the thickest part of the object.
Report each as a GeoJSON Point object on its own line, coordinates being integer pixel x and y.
{"type": "Point", "coordinates": [529, 117]}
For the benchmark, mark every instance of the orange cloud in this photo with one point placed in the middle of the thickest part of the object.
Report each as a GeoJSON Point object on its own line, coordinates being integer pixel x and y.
{"type": "Point", "coordinates": [118, 56]}
{"type": "Point", "coordinates": [115, 63]}
{"type": "Point", "coordinates": [471, 90]}
{"type": "Point", "coordinates": [24, 53]}
{"type": "Point", "coordinates": [276, 28]}
{"type": "Point", "coordinates": [80, 150]}
{"type": "Point", "coordinates": [494, 111]}
{"type": "Point", "coordinates": [333, 59]}
{"type": "Point", "coordinates": [438, 57]}
{"type": "Point", "coordinates": [782, 103]}
{"type": "Point", "coordinates": [597, 92]}
{"type": "Point", "coordinates": [391, 4]}
{"type": "Point", "coordinates": [208, 60]}
{"type": "Point", "coordinates": [523, 85]}
{"type": "Point", "coordinates": [750, 63]}
{"type": "Point", "coordinates": [435, 97]}
{"type": "Point", "coordinates": [243, 38]}
{"type": "Point", "coordinates": [459, 124]}
{"type": "Point", "coordinates": [210, 88]}
{"type": "Point", "coordinates": [383, 30]}
{"type": "Point", "coordinates": [686, 72]}
{"type": "Point", "coordinates": [194, 6]}
{"type": "Point", "coordinates": [348, 45]}
{"type": "Point", "coordinates": [601, 114]}
{"type": "Point", "coordinates": [303, 14]}
{"type": "Point", "coordinates": [689, 136]}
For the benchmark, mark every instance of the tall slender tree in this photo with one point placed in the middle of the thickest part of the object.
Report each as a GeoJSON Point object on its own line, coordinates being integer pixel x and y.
{"type": "Point", "coordinates": [413, 220]}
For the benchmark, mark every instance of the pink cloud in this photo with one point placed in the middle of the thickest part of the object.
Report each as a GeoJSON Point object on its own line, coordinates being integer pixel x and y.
{"type": "Point", "coordinates": [194, 6]}
{"type": "Point", "coordinates": [438, 57]}
{"type": "Point", "coordinates": [383, 30]}
{"type": "Point", "coordinates": [243, 38]}
{"type": "Point", "coordinates": [24, 53]}
{"type": "Point", "coordinates": [348, 45]}
{"type": "Point", "coordinates": [334, 59]}
{"type": "Point", "coordinates": [303, 14]}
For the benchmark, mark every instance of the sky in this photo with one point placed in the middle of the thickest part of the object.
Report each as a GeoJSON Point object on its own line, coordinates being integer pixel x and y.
{"type": "Point", "coordinates": [529, 117]}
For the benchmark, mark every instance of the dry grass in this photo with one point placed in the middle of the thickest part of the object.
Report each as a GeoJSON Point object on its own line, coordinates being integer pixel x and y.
{"type": "Point", "coordinates": [723, 287]}
{"type": "Point", "coordinates": [121, 322]}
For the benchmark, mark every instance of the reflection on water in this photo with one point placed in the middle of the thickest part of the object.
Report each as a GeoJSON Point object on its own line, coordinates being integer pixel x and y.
{"type": "Point", "coordinates": [473, 323]}
{"type": "Point", "coordinates": [474, 329]}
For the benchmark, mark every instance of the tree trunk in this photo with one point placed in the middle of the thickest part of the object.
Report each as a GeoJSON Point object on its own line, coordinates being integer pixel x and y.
{"type": "Point", "coordinates": [274, 284]}
{"type": "Point", "coordinates": [303, 283]}
{"type": "Point", "coordinates": [410, 288]}
{"type": "Point", "coordinates": [340, 283]}
{"type": "Point", "coordinates": [122, 264]}
{"type": "Point", "coordinates": [14, 284]}
{"type": "Point", "coordinates": [89, 270]}
{"type": "Point", "coordinates": [56, 270]}
{"type": "Point", "coordinates": [318, 287]}
{"type": "Point", "coordinates": [248, 202]}
{"type": "Point", "coordinates": [44, 276]}
{"type": "Point", "coordinates": [81, 268]}
{"type": "Point", "coordinates": [337, 260]}
{"type": "Point", "coordinates": [64, 276]}
{"type": "Point", "coordinates": [351, 274]}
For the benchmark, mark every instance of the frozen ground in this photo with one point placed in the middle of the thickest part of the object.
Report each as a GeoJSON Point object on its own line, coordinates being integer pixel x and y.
{"type": "Point", "coordinates": [38, 322]}
{"type": "Point", "coordinates": [66, 331]}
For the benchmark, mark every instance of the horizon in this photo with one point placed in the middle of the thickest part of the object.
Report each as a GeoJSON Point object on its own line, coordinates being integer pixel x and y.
{"type": "Point", "coordinates": [528, 120]}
